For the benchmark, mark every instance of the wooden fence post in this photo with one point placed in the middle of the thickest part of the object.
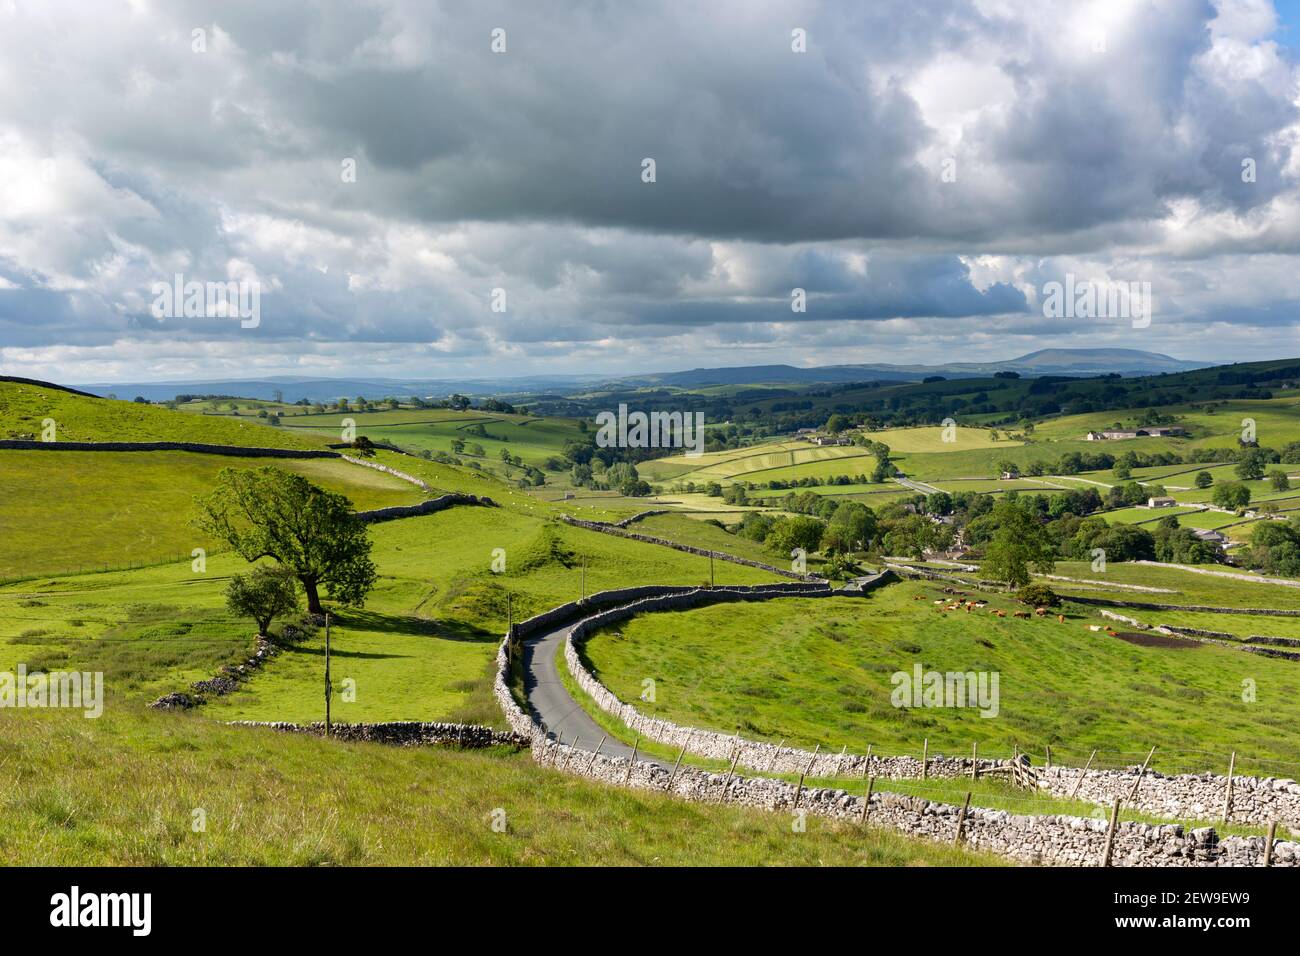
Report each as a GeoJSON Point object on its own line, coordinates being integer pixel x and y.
{"type": "Point", "coordinates": [961, 819]}
{"type": "Point", "coordinates": [327, 674]}
{"type": "Point", "coordinates": [1048, 748]}
{"type": "Point", "coordinates": [1268, 843]}
{"type": "Point", "coordinates": [632, 763]}
{"type": "Point", "coordinates": [799, 790]}
{"type": "Point", "coordinates": [866, 800]}
{"type": "Point", "coordinates": [726, 784]}
{"type": "Point", "coordinates": [1227, 789]}
{"type": "Point", "coordinates": [595, 753]}
{"type": "Point", "coordinates": [1110, 833]}
{"type": "Point", "coordinates": [1136, 783]}
{"type": "Point", "coordinates": [974, 760]}
{"type": "Point", "coordinates": [925, 758]}
{"type": "Point", "coordinates": [1084, 773]}
{"type": "Point", "coordinates": [677, 763]}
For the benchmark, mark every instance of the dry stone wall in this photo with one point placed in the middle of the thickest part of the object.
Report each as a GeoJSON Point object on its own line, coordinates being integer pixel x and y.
{"type": "Point", "coordinates": [1255, 800]}
{"type": "Point", "coordinates": [441, 503]}
{"type": "Point", "coordinates": [1051, 840]}
{"type": "Point", "coordinates": [689, 549]}
{"type": "Point", "coordinates": [419, 483]}
{"type": "Point", "coordinates": [240, 451]}
{"type": "Point", "coordinates": [403, 733]}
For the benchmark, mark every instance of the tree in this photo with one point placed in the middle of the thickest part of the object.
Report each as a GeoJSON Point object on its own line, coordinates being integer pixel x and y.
{"type": "Point", "coordinates": [270, 513]}
{"type": "Point", "coordinates": [1204, 479]}
{"type": "Point", "coordinates": [1019, 544]}
{"type": "Point", "coordinates": [914, 535]}
{"type": "Point", "coordinates": [263, 594]}
{"type": "Point", "coordinates": [1252, 466]}
{"type": "Point", "coordinates": [1232, 495]}
{"type": "Point", "coordinates": [1279, 480]}
{"type": "Point", "coordinates": [852, 527]}
{"type": "Point", "coordinates": [797, 532]}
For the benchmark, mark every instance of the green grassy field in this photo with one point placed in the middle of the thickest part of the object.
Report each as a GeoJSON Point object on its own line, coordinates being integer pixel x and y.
{"type": "Point", "coordinates": [990, 792]}
{"type": "Point", "coordinates": [790, 460]}
{"type": "Point", "coordinates": [23, 409]}
{"type": "Point", "coordinates": [1277, 422]}
{"type": "Point", "coordinates": [818, 672]}
{"type": "Point", "coordinates": [418, 651]}
{"type": "Point", "coordinates": [73, 510]}
{"type": "Point", "coordinates": [123, 790]}
{"type": "Point", "coordinates": [531, 439]}
{"type": "Point", "coordinates": [120, 789]}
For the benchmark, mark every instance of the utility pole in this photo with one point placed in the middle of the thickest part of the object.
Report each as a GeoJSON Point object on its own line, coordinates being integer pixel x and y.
{"type": "Point", "coordinates": [583, 596]}
{"type": "Point", "coordinates": [328, 688]}
{"type": "Point", "coordinates": [710, 570]}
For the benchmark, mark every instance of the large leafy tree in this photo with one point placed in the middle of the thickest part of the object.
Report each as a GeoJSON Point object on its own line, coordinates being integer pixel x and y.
{"type": "Point", "coordinates": [312, 533]}
{"type": "Point", "coordinates": [1019, 544]}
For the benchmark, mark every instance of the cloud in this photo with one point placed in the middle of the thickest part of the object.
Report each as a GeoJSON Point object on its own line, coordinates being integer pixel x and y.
{"type": "Point", "coordinates": [920, 171]}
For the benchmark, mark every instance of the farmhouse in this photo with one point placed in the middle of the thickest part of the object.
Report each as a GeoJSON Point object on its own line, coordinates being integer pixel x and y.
{"type": "Point", "coordinates": [1214, 537]}
{"type": "Point", "coordinates": [1161, 502]}
{"type": "Point", "coordinates": [1162, 431]}
{"type": "Point", "coordinates": [1011, 474]}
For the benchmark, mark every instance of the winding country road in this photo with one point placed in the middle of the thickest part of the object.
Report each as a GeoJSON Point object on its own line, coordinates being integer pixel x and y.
{"type": "Point", "coordinates": [556, 710]}
{"type": "Point", "coordinates": [553, 706]}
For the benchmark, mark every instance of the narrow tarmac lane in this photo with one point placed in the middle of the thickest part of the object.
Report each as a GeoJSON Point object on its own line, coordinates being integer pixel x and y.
{"type": "Point", "coordinates": [555, 707]}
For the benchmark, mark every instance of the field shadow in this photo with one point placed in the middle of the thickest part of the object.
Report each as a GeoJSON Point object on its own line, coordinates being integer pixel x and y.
{"type": "Point", "coordinates": [445, 630]}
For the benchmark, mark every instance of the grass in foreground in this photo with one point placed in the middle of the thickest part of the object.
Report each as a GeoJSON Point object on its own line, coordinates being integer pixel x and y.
{"type": "Point", "coordinates": [123, 790]}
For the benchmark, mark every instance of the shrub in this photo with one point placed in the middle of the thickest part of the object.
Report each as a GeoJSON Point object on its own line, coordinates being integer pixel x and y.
{"type": "Point", "coordinates": [1039, 595]}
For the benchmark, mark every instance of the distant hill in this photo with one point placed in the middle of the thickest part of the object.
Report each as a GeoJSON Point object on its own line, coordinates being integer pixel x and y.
{"type": "Point", "coordinates": [332, 389]}
{"type": "Point", "coordinates": [1079, 362]}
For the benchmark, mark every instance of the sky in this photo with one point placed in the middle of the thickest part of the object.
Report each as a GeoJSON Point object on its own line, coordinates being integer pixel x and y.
{"type": "Point", "coordinates": [459, 189]}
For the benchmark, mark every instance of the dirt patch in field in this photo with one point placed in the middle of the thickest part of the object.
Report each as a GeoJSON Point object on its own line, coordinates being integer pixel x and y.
{"type": "Point", "coordinates": [1148, 639]}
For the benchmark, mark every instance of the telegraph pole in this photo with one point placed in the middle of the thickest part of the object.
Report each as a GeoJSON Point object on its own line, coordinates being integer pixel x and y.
{"type": "Point", "coordinates": [583, 596]}
{"type": "Point", "coordinates": [327, 674]}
